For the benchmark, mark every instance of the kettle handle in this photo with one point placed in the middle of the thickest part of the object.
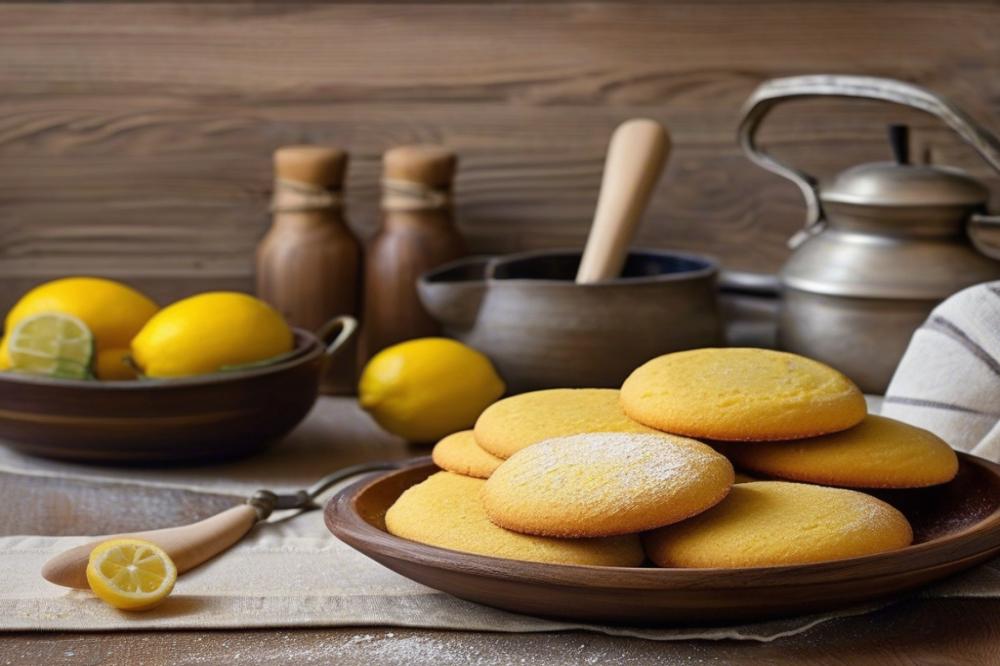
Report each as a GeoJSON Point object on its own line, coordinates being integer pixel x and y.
{"type": "Point", "coordinates": [770, 93]}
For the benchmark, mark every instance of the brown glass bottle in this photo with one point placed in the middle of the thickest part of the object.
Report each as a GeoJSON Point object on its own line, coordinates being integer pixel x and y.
{"type": "Point", "coordinates": [417, 234]}
{"type": "Point", "coordinates": [309, 262]}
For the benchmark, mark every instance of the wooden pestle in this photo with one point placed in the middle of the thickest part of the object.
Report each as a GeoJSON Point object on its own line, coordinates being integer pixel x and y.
{"type": "Point", "coordinates": [636, 155]}
{"type": "Point", "coordinates": [187, 545]}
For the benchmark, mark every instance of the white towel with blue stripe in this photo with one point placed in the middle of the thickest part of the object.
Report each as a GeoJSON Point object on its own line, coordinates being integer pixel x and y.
{"type": "Point", "coordinates": [949, 378]}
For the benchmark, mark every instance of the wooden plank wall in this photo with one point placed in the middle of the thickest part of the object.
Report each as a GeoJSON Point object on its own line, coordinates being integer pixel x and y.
{"type": "Point", "coordinates": [135, 139]}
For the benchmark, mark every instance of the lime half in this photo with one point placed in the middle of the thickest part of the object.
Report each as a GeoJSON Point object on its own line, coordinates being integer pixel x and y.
{"type": "Point", "coordinates": [53, 344]}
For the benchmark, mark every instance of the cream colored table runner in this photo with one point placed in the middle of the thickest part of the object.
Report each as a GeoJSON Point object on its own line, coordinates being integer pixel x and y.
{"type": "Point", "coordinates": [294, 574]}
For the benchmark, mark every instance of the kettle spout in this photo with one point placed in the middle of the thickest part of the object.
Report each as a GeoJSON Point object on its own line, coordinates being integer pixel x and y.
{"type": "Point", "coordinates": [453, 293]}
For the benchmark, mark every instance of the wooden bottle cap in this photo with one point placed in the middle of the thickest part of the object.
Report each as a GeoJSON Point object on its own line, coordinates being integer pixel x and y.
{"type": "Point", "coordinates": [432, 166]}
{"type": "Point", "coordinates": [321, 166]}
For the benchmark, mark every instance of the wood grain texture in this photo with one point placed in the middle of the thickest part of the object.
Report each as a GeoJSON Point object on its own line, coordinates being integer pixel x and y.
{"type": "Point", "coordinates": [135, 139]}
{"type": "Point", "coordinates": [910, 633]}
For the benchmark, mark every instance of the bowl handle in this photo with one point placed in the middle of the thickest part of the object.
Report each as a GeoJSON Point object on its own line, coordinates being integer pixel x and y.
{"type": "Point", "coordinates": [346, 325]}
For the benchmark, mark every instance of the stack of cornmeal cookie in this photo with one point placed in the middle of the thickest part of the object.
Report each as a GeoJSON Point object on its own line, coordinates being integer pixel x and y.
{"type": "Point", "coordinates": [607, 477]}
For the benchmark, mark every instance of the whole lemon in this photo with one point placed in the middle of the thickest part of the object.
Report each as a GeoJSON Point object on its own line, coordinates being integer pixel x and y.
{"type": "Point", "coordinates": [427, 388]}
{"type": "Point", "coordinates": [113, 312]}
{"type": "Point", "coordinates": [203, 333]}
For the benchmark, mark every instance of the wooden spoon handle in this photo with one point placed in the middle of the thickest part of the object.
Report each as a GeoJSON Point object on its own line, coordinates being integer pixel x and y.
{"type": "Point", "coordinates": [635, 160]}
{"type": "Point", "coordinates": [187, 545]}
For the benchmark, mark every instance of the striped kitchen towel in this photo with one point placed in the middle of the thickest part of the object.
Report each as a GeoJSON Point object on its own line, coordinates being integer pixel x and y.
{"type": "Point", "coordinates": [949, 378]}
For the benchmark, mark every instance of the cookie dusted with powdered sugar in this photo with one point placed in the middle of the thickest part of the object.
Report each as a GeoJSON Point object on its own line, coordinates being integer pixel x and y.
{"type": "Point", "coordinates": [602, 484]}
{"type": "Point", "coordinates": [445, 511]}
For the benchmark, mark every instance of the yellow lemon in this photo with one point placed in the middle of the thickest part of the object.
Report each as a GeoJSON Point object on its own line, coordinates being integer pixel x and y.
{"type": "Point", "coordinates": [112, 311]}
{"type": "Point", "coordinates": [113, 364]}
{"type": "Point", "coordinates": [427, 388]}
{"type": "Point", "coordinates": [207, 332]}
{"type": "Point", "coordinates": [131, 574]}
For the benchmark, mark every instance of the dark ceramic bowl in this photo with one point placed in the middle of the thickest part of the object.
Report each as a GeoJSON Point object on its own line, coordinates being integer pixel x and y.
{"type": "Point", "coordinates": [210, 417]}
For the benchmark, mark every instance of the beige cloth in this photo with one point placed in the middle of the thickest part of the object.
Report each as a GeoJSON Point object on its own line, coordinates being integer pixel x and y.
{"type": "Point", "coordinates": [294, 574]}
{"type": "Point", "coordinates": [948, 381]}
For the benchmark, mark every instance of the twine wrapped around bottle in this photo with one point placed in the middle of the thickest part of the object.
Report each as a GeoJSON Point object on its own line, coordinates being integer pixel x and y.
{"type": "Point", "coordinates": [405, 195]}
{"type": "Point", "coordinates": [293, 196]}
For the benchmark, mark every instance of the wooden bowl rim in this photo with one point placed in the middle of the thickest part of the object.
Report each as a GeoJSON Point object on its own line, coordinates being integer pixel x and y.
{"type": "Point", "coordinates": [345, 522]}
{"type": "Point", "coordinates": [308, 347]}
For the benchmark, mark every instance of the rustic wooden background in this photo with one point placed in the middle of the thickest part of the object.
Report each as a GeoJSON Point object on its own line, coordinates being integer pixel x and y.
{"type": "Point", "coordinates": [135, 139]}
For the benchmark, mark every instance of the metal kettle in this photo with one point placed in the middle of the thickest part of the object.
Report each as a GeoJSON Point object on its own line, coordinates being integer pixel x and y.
{"type": "Point", "coordinates": [883, 243]}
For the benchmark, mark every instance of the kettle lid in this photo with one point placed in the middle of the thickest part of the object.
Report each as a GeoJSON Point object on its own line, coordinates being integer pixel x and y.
{"type": "Point", "coordinates": [902, 184]}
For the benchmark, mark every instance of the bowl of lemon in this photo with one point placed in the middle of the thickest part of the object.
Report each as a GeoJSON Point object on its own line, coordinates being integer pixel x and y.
{"type": "Point", "coordinates": [93, 370]}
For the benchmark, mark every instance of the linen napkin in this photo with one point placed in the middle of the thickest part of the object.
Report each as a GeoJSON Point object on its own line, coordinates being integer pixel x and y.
{"type": "Point", "coordinates": [948, 381]}
{"type": "Point", "coordinates": [294, 574]}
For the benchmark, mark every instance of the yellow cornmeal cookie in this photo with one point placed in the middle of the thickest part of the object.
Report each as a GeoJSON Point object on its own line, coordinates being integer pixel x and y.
{"type": "Point", "coordinates": [768, 523]}
{"type": "Point", "coordinates": [446, 511]}
{"type": "Point", "coordinates": [878, 453]}
{"type": "Point", "coordinates": [511, 424]}
{"type": "Point", "coordinates": [459, 453]}
{"type": "Point", "coordinates": [742, 395]}
{"type": "Point", "coordinates": [606, 483]}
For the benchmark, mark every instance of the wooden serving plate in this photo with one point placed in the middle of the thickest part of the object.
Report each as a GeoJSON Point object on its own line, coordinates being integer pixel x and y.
{"type": "Point", "coordinates": [211, 417]}
{"type": "Point", "coordinates": [956, 526]}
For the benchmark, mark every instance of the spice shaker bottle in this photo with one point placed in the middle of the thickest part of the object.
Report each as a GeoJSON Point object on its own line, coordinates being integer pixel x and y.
{"type": "Point", "coordinates": [309, 262]}
{"type": "Point", "coordinates": [417, 234]}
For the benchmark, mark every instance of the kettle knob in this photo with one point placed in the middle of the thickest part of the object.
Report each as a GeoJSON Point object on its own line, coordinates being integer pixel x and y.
{"type": "Point", "coordinates": [899, 141]}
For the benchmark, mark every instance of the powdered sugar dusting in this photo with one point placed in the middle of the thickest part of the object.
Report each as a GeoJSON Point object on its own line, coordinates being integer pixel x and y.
{"type": "Point", "coordinates": [601, 475]}
{"type": "Point", "coordinates": [869, 516]}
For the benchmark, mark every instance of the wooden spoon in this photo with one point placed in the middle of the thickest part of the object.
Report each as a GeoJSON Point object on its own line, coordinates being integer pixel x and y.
{"type": "Point", "coordinates": [636, 155]}
{"type": "Point", "coordinates": [190, 545]}
{"type": "Point", "coordinates": [187, 545]}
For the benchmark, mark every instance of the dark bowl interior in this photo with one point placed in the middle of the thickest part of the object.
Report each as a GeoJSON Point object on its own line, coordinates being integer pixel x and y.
{"type": "Point", "coordinates": [562, 266]}
{"type": "Point", "coordinates": [471, 269]}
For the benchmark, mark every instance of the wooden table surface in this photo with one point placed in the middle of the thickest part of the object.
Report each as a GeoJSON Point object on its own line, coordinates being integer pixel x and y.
{"type": "Point", "coordinates": [939, 631]}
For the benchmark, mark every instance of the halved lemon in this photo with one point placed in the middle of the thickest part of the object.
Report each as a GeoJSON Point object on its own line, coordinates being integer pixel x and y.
{"type": "Point", "coordinates": [131, 574]}
{"type": "Point", "coordinates": [52, 343]}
